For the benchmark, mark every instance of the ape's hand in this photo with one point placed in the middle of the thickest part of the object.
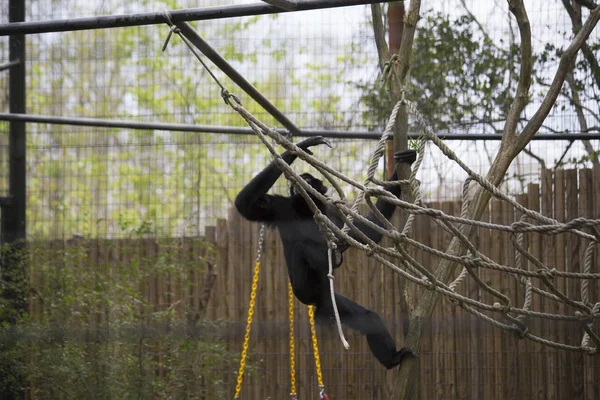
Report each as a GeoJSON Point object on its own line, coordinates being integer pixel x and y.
{"type": "Point", "coordinates": [313, 141]}
{"type": "Point", "coordinates": [406, 157]}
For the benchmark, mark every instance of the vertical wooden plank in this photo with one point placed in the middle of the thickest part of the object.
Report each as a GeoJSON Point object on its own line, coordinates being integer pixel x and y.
{"type": "Point", "coordinates": [427, 373]}
{"type": "Point", "coordinates": [449, 314]}
{"type": "Point", "coordinates": [269, 305]}
{"type": "Point", "coordinates": [586, 198]}
{"type": "Point", "coordinates": [524, 387]}
{"type": "Point", "coordinates": [437, 332]}
{"type": "Point", "coordinates": [223, 268]}
{"type": "Point", "coordinates": [206, 251]}
{"type": "Point", "coordinates": [428, 235]}
{"type": "Point", "coordinates": [497, 254]}
{"type": "Point", "coordinates": [235, 261]}
{"type": "Point", "coordinates": [535, 249]}
{"type": "Point", "coordinates": [560, 261]}
{"type": "Point", "coordinates": [596, 269]}
{"type": "Point", "coordinates": [462, 330]}
{"type": "Point", "coordinates": [487, 362]}
{"type": "Point", "coordinates": [509, 286]}
{"type": "Point", "coordinates": [575, 372]}
{"type": "Point", "coordinates": [549, 306]}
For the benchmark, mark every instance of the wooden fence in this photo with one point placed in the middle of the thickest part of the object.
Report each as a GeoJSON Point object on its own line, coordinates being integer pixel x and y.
{"type": "Point", "coordinates": [461, 357]}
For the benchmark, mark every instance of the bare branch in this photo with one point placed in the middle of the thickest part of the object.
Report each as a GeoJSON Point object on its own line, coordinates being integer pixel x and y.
{"type": "Point", "coordinates": [581, 117]}
{"type": "Point", "coordinates": [379, 32]}
{"type": "Point", "coordinates": [536, 157]}
{"type": "Point", "coordinates": [408, 37]}
{"type": "Point", "coordinates": [517, 8]}
{"type": "Point", "coordinates": [563, 68]}
{"type": "Point", "coordinates": [587, 3]}
{"type": "Point", "coordinates": [588, 54]}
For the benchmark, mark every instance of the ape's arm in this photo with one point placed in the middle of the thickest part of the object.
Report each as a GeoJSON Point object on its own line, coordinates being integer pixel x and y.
{"type": "Point", "coordinates": [385, 208]}
{"type": "Point", "coordinates": [255, 204]}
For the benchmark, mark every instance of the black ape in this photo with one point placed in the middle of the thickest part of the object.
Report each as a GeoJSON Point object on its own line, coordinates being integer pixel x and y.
{"type": "Point", "coordinates": [305, 249]}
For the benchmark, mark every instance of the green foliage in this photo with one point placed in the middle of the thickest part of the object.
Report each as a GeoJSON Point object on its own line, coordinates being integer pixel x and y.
{"type": "Point", "coordinates": [93, 333]}
{"type": "Point", "coordinates": [458, 76]}
{"type": "Point", "coordinates": [14, 290]}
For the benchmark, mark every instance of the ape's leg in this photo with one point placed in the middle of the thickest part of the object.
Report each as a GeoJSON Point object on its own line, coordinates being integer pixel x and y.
{"type": "Point", "coordinates": [362, 319]}
{"type": "Point", "coordinates": [305, 284]}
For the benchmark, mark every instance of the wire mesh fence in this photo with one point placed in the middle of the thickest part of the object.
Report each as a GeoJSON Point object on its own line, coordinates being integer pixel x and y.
{"type": "Point", "coordinates": [113, 211]}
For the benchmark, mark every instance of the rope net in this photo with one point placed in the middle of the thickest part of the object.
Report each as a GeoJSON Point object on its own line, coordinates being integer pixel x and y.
{"type": "Point", "coordinates": [501, 311]}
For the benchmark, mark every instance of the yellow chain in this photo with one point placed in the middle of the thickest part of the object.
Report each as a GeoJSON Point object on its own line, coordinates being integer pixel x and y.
{"type": "Point", "coordinates": [313, 332]}
{"type": "Point", "coordinates": [292, 344]}
{"type": "Point", "coordinates": [240, 378]}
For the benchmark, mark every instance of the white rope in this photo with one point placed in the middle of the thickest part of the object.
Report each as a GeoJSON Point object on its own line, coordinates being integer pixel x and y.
{"type": "Point", "coordinates": [338, 322]}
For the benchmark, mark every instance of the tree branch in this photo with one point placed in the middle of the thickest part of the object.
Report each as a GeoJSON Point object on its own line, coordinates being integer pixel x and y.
{"type": "Point", "coordinates": [563, 68]}
{"type": "Point", "coordinates": [581, 118]}
{"type": "Point", "coordinates": [587, 3]}
{"type": "Point", "coordinates": [517, 8]}
{"type": "Point", "coordinates": [379, 32]}
{"type": "Point", "coordinates": [588, 54]}
{"type": "Point", "coordinates": [511, 145]}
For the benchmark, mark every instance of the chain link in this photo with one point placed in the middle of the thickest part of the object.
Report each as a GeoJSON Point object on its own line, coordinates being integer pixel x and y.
{"type": "Point", "coordinates": [240, 377]}
{"type": "Point", "coordinates": [261, 240]}
{"type": "Point", "coordinates": [292, 343]}
{"type": "Point", "coordinates": [315, 344]}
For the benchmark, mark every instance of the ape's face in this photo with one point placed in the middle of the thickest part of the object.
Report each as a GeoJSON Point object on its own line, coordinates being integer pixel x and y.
{"type": "Point", "coordinates": [317, 184]}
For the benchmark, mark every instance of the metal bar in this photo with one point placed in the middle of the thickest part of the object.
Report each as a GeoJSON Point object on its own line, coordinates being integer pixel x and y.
{"type": "Point", "coordinates": [152, 18]}
{"type": "Point", "coordinates": [9, 64]}
{"type": "Point", "coordinates": [234, 130]}
{"type": "Point", "coordinates": [283, 4]}
{"type": "Point", "coordinates": [223, 65]}
{"type": "Point", "coordinates": [13, 217]}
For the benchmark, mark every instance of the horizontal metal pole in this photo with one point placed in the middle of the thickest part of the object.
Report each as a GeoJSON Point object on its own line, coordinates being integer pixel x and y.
{"type": "Point", "coordinates": [9, 64]}
{"type": "Point", "coordinates": [234, 130]}
{"type": "Point", "coordinates": [285, 4]}
{"type": "Point", "coordinates": [151, 18]}
{"type": "Point", "coordinates": [202, 45]}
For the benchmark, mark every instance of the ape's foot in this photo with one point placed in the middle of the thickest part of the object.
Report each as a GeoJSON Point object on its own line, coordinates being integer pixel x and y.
{"type": "Point", "coordinates": [406, 156]}
{"type": "Point", "coordinates": [401, 355]}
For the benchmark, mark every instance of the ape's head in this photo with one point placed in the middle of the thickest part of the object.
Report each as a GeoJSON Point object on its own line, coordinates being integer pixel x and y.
{"type": "Point", "coordinates": [317, 184]}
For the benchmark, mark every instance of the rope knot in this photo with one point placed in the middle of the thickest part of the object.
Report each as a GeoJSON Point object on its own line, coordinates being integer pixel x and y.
{"type": "Point", "coordinates": [470, 261]}
{"type": "Point", "coordinates": [428, 284]}
{"type": "Point", "coordinates": [585, 318]}
{"type": "Point", "coordinates": [227, 96]}
{"type": "Point", "coordinates": [330, 277]}
{"type": "Point", "coordinates": [172, 30]}
{"type": "Point", "coordinates": [399, 236]}
{"type": "Point", "coordinates": [370, 251]}
{"type": "Point", "coordinates": [519, 226]}
{"type": "Point", "coordinates": [336, 202]}
{"type": "Point", "coordinates": [548, 273]}
{"type": "Point", "coordinates": [521, 332]}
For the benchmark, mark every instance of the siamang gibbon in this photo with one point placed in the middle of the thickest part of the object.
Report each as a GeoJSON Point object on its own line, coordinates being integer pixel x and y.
{"type": "Point", "coordinates": [306, 251]}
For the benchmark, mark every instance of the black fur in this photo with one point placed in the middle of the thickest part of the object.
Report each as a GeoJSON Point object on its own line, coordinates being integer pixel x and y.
{"type": "Point", "coordinates": [305, 250]}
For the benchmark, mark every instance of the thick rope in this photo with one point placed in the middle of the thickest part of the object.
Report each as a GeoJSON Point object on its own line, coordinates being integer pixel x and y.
{"type": "Point", "coordinates": [333, 302]}
{"type": "Point", "coordinates": [474, 260]}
